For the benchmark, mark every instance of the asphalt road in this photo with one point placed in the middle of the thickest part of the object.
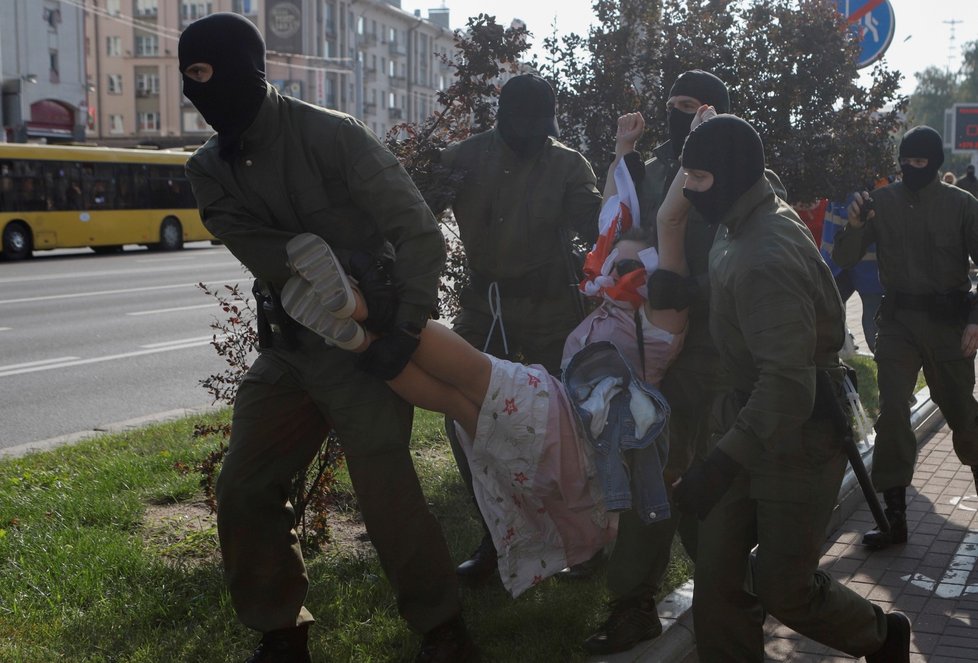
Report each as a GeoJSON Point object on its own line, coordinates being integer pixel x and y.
{"type": "Point", "coordinates": [88, 340]}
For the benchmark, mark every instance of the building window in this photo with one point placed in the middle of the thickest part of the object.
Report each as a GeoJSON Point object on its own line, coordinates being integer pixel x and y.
{"type": "Point", "coordinates": [147, 85]}
{"type": "Point", "coordinates": [148, 121]}
{"type": "Point", "coordinates": [147, 45]}
{"type": "Point", "coordinates": [113, 46]}
{"type": "Point", "coordinates": [191, 11]}
{"type": "Point", "coordinates": [54, 72]}
{"type": "Point", "coordinates": [146, 8]}
{"type": "Point", "coordinates": [246, 7]}
{"type": "Point", "coordinates": [115, 124]}
{"type": "Point", "coordinates": [112, 7]}
{"type": "Point", "coordinates": [115, 84]}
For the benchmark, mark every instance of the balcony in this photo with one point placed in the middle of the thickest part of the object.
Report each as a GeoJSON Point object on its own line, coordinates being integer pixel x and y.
{"type": "Point", "coordinates": [395, 114]}
{"type": "Point", "coordinates": [397, 49]}
{"type": "Point", "coordinates": [398, 81]}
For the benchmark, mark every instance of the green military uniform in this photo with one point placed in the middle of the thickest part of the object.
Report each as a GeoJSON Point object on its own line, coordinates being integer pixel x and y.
{"type": "Point", "coordinates": [301, 169]}
{"type": "Point", "coordinates": [924, 239]}
{"type": "Point", "coordinates": [642, 552]}
{"type": "Point", "coordinates": [776, 317]}
{"type": "Point", "coordinates": [515, 216]}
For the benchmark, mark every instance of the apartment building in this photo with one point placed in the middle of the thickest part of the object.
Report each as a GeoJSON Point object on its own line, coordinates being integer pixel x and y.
{"type": "Point", "coordinates": [369, 58]}
{"type": "Point", "coordinates": [42, 75]}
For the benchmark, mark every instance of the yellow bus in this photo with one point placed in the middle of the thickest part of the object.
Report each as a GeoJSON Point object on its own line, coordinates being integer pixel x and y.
{"type": "Point", "coordinates": [55, 196]}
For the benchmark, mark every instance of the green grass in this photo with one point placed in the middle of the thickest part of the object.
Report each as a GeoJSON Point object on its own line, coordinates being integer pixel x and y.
{"type": "Point", "coordinates": [84, 579]}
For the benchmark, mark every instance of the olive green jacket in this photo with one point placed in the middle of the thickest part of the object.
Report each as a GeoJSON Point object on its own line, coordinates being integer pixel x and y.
{"type": "Point", "coordinates": [513, 213]}
{"type": "Point", "coordinates": [775, 315]}
{"type": "Point", "coordinates": [301, 169]}
{"type": "Point", "coordinates": [699, 353]}
{"type": "Point", "coordinates": [923, 239]}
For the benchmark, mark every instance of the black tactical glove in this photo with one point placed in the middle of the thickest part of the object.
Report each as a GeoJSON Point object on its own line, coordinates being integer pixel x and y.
{"type": "Point", "coordinates": [704, 484]}
{"type": "Point", "coordinates": [374, 280]}
{"type": "Point", "coordinates": [386, 357]}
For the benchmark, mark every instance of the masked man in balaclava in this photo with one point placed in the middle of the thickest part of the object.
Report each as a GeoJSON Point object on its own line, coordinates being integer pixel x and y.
{"type": "Point", "coordinates": [278, 168]}
{"type": "Point", "coordinates": [522, 196]}
{"type": "Point", "coordinates": [770, 483]}
{"type": "Point", "coordinates": [641, 554]}
{"type": "Point", "coordinates": [926, 234]}
{"type": "Point", "coordinates": [968, 181]}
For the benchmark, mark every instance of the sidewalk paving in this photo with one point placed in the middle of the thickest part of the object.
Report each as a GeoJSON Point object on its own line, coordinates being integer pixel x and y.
{"type": "Point", "coordinates": [931, 578]}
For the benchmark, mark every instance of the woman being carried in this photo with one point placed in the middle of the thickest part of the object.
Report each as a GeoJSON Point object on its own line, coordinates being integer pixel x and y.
{"type": "Point", "coordinates": [528, 450]}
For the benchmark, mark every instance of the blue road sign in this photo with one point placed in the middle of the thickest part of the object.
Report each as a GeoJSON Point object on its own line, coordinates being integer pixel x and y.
{"type": "Point", "coordinates": [874, 22]}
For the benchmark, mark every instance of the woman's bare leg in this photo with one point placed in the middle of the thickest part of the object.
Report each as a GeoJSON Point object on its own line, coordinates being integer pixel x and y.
{"type": "Point", "coordinates": [421, 389]}
{"type": "Point", "coordinates": [449, 358]}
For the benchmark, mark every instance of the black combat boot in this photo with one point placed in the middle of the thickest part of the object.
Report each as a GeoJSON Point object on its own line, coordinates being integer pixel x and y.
{"type": "Point", "coordinates": [631, 621]}
{"type": "Point", "coordinates": [448, 643]}
{"type": "Point", "coordinates": [287, 645]}
{"type": "Point", "coordinates": [896, 647]}
{"type": "Point", "coordinates": [896, 514]}
{"type": "Point", "coordinates": [480, 566]}
{"type": "Point", "coordinates": [974, 473]}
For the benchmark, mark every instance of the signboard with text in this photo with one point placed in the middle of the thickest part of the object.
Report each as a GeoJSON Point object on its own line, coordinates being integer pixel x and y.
{"type": "Point", "coordinates": [965, 128]}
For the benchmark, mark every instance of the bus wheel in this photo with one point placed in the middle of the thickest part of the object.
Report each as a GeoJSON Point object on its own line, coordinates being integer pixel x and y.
{"type": "Point", "coordinates": [17, 241]}
{"type": "Point", "coordinates": [171, 235]}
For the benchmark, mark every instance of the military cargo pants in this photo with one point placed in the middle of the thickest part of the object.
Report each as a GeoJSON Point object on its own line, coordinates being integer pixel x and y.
{"type": "Point", "coordinates": [783, 505]}
{"type": "Point", "coordinates": [906, 342]}
{"type": "Point", "coordinates": [280, 421]}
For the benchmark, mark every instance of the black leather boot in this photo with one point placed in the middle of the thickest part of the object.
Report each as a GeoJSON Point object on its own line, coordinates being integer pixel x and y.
{"type": "Point", "coordinates": [896, 514]}
{"type": "Point", "coordinates": [896, 647]}
{"type": "Point", "coordinates": [974, 473]}
{"type": "Point", "coordinates": [287, 645]}
{"type": "Point", "coordinates": [481, 565]}
{"type": "Point", "coordinates": [631, 621]}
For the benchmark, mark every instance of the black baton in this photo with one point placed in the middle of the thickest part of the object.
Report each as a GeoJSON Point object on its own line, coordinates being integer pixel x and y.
{"type": "Point", "coordinates": [826, 402]}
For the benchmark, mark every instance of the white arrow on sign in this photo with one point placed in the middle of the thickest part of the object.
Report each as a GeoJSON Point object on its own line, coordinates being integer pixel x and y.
{"type": "Point", "coordinates": [952, 585]}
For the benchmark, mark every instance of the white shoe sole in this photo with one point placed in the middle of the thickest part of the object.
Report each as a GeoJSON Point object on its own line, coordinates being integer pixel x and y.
{"type": "Point", "coordinates": [311, 258]}
{"type": "Point", "coordinates": [304, 305]}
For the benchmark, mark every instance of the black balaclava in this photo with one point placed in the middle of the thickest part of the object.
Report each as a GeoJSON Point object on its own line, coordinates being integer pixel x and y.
{"type": "Point", "coordinates": [730, 149]}
{"type": "Point", "coordinates": [705, 88]}
{"type": "Point", "coordinates": [230, 100]}
{"type": "Point", "coordinates": [527, 113]}
{"type": "Point", "coordinates": [921, 143]}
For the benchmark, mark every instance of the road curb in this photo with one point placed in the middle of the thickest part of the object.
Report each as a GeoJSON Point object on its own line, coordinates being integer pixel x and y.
{"type": "Point", "coordinates": [103, 429]}
{"type": "Point", "coordinates": [677, 643]}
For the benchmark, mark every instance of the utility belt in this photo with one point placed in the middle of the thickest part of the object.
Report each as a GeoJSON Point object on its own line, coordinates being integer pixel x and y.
{"type": "Point", "coordinates": [543, 282]}
{"type": "Point", "coordinates": [275, 328]}
{"type": "Point", "coordinates": [830, 403]}
{"type": "Point", "coordinates": [952, 307]}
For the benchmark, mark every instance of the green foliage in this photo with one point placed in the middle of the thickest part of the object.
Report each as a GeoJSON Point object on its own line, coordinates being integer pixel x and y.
{"type": "Point", "coordinates": [790, 67]}
{"type": "Point", "coordinates": [938, 90]}
{"type": "Point", "coordinates": [86, 574]}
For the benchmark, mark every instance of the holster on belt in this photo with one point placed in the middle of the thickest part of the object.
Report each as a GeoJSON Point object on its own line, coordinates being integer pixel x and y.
{"type": "Point", "coordinates": [275, 328]}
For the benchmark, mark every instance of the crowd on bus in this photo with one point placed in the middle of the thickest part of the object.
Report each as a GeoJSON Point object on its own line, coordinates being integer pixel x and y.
{"type": "Point", "coordinates": [699, 396]}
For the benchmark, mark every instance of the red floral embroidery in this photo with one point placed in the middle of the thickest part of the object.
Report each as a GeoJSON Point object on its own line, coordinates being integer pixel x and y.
{"type": "Point", "coordinates": [520, 478]}
{"type": "Point", "coordinates": [533, 381]}
{"type": "Point", "coordinates": [537, 580]}
{"type": "Point", "coordinates": [510, 406]}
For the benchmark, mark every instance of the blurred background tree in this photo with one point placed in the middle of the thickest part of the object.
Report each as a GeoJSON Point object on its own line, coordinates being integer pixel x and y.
{"type": "Point", "coordinates": [790, 66]}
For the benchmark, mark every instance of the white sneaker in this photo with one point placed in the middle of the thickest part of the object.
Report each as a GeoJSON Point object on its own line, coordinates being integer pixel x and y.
{"type": "Point", "coordinates": [311, 258]}
{"type": "Point", "coordinates": [304, 305]}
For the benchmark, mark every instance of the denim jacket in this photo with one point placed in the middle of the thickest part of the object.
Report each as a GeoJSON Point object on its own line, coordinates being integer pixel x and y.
{"type": "Point", "coordinates": [629, 468]}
